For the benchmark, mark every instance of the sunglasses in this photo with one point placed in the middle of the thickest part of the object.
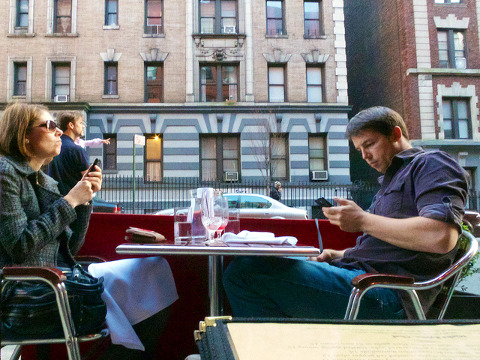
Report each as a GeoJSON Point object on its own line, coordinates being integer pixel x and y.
{"type": "Point", "coordinates": [50, 125]}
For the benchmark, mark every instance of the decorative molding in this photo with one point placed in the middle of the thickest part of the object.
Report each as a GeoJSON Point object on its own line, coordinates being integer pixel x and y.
{"type": "Point", "coordinates": [277, 56]}
{"type": "Point", "coordinates": [110, 55]}
{"type": "Point", "coordinates": [155, 54]}
{"type": "Point", "coordinates": [216, 53]}
{"type": "Point", "coordinates": [315, 57]}
{"type": "Point", "coordinates": [451, 22]}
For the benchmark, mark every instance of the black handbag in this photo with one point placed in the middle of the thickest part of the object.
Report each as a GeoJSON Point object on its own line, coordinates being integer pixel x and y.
{"type": "Point", "coordinates": [29, 308]}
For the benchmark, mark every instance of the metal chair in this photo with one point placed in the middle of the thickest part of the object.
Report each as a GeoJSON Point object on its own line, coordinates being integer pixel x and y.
{"type": "Point", "coordinates": [449, 278]}
{"type": "Point", "coordinates": [55, 278]}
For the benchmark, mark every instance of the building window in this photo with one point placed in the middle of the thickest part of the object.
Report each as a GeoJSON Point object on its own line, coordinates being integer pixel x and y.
{"type": "Point", "coordinates": [218, 16]}
{"type": "Point", "coordinates": [312, 10]}
{"type": "Point", "coordinates": [111, 12]}
{"type": "Point", "coordinates": [451, 49]}
{"type": "Point", "coordinates": [279, 156]}
{"type": "Point", "coordinates": [456, 118]}
{"type": "Point", "coordinates": [63, 16]}
{"type": "Point", "coordinates": [218, 82]}
{"type": "Point", "coordinates": [317, 152]}
{"type": "Point", "coordinates": [154, 82]}
{"type": "Point", "coordinates": [154, 17]}
{"type": "Point", "coordinates": [110, 152]}
{"type": "Point", "coordinates": [448, 1]}
{"type": "Point", "coordinates": [60, 79]}
{"type": "Point", "coordinates": [111, 78]}
{"type": "Point", "coordinates": [275, 18]}
{"type": "Point", "coordinates": [22, 14]}
{"type": "Point", "coordinates": [314, 84]}
{"type": "Point", "coordinates": [20, 79]}
{"type": "Point", "coordinates": [220, 154]}
{"type": "Point", "coordinates": [153, 157]}
{"type": "Point", "coordinates": [276, 83]}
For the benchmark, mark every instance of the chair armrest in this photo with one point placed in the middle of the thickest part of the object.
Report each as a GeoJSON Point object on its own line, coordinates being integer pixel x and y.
{"type": "Point", "coordinates": [52, 275]}
{"type": "Point", "coordinates": [89, 259]}
{"type": "Point", "coordinates": [366, 280]}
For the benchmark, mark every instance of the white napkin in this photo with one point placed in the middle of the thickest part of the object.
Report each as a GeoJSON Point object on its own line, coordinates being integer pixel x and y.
{"type": "Point", "coordinates": [257, 237]}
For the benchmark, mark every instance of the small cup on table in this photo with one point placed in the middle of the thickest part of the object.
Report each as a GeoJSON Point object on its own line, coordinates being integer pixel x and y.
{"type": "Point", "coordinates": [183, 217]}
{"type": "Point", "coordinates": [233, 225]}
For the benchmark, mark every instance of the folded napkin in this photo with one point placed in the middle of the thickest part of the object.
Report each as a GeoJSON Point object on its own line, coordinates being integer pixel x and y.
{"type": "Point", "coordinates": [256, 237]}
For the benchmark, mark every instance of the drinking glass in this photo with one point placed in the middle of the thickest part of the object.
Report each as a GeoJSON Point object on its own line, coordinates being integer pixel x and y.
{"type": "Point", "coordinates": [182, 225]}
{"type": "Point", "coordinates": [212, 211]}
{"type": "Point", "coordinates": [225, 217]}
{"type": "Point", "coordinates": [233, 221]}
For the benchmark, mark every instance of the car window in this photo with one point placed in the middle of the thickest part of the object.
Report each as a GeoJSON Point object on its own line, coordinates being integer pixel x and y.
{"type": "Point", "coordinates": [254, 202]}
{"type": "Point", "coordinates": [232, 201]}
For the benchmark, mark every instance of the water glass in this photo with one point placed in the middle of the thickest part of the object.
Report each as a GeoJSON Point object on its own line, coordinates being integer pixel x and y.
{"type": "Point", "coordinates": [182, 227]}
{"type": "Point", "coordinates": [233, 225]}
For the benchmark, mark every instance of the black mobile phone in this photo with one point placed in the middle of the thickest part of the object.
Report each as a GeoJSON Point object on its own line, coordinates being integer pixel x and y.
{"type": "Point", "coordinates": [323, 202]}
{"type": "Point", "coordinates": [92, 167]}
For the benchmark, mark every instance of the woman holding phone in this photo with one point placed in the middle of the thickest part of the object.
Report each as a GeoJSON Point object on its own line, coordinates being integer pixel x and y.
{"type": "Point", "coordinates": [40, 227]}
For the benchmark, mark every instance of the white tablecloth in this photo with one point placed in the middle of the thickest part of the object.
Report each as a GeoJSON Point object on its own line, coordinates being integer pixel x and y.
{"type": "Point", "coordinates": [135, 289]}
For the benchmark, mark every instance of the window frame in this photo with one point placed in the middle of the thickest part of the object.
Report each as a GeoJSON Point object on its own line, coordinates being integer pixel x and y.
{"type": "Point", "coordinates": [219, 67]}
{"type": "Point", "coordinates": [158, 64]}
{"type": "Point", "coordinates": [161, 17]}
{"type": "Point", "coordinates": [107, 13]}
{"type": "Point", "coordinates": [107, 65]}
{"type": "Point", "coordinates": [110, 152]}
{"type": "Point", "coordinates": [19, 13]}
{"type": "Point", "coordinates": [56, 17]}
{"type": "Point", "coordinates": [284, 31]}
{"type": "Point", "coordinates": [16, 66]}
{"type": "Point", "coordinates": [219, 155]}
{"type": "Point", "coordinates": [55, 66]}
{"type": "Point", "coordinates": [320, 67]}
{"type": "Point", "coordinates": [447, 2]}
{"type": "Point", "coordinates": [284, 85]}
{"type": "Point", "coordinates": [218, 27]}
{"type": "Point", "coordinates": [455, 118]}
{"type": "Point", "coordinates": [279, 157]}
{"type": "Point", "coordinates": [157, 137]}
{"type": "Point", "coordinates": [321, 30]}
{"type": "Point", "coordinates": [451, 51]}
{"type": "Point", "coordinates": [324, 158]}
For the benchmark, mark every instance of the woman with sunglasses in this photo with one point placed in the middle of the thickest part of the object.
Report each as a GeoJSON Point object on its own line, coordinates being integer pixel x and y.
{"type": "Point", "coordinates": [35, 219]}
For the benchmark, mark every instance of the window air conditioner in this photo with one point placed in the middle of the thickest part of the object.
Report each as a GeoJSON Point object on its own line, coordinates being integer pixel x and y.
{"type": "Point", "coordinates": [319, 175]}
{"type": "Point", "coordinates": [60, 98]}
{"type": "Point", "coordinates": [229, 30]}
{"type": "Point", "coordinates": [230, 176]}
{"type": "Point", "coordinates": [460, 63]}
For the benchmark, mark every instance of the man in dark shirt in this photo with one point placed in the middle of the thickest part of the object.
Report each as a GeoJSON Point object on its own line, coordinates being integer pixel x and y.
{"type": "Point", "coordinates": [72, 163]}
{"type": "Point", "coordinates": [411, 229]}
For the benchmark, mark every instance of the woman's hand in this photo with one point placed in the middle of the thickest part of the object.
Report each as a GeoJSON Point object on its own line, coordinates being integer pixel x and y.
{"type": "Point", "coordinates": [95, 178]}
{"type": "Point", "coordinates": [80, 194]}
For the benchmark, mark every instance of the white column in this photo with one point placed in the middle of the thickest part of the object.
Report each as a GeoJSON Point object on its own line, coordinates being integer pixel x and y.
{"type": "Point", "coordinates": [248, 52]}
{"type": "Point", "coordinates": [190, 96]}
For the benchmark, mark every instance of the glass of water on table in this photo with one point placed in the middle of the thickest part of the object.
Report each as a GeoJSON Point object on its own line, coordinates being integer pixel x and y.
{"type": "Point", "coordinates": [183, 218]}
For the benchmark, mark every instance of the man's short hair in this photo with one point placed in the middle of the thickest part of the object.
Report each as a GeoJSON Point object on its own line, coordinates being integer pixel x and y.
{"type": "Point", "coordinates": [378, 118]}
{"type": "Point", "coordinates": [66, 117]}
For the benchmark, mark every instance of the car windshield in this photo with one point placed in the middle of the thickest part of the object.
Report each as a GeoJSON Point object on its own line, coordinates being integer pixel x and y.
{"type": "Point", "coordinates": [254, 202]}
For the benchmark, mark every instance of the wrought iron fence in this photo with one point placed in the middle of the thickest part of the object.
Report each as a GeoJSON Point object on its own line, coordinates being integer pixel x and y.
{"type": "Point", "coordinates": [151, 196]}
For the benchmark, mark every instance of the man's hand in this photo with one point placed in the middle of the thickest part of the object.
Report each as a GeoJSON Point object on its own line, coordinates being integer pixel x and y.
{"type": "Point", "coordinates": [328, 255]}
{"type": "Point", "coordinates": [347, 215]}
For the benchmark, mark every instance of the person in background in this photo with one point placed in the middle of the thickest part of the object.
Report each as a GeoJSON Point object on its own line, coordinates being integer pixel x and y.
{"type": "Point", "coordinates": [72, 163]}
{"type": "Point", "coordinates": [276, 192]}
{"type": "Point", "coordinates": [411, 229]}
{"type": "Point", "coordinates": [94, 143]}
{"type": "Point", "coordinates": [41, 227]}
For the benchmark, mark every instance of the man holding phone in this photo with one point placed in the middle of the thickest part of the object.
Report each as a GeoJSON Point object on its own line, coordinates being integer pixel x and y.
{"type": "Point", "coordinates": [72, 164]}
{"type": "Point", "coordinates": [411, 229]}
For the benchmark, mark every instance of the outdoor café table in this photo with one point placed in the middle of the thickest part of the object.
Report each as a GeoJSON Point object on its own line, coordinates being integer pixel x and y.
{"type": "Point", "coordinates": [215, 254]}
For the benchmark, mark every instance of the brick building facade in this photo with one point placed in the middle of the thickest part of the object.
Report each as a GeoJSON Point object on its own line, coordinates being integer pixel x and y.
{"type": "Point", "coordinates": [421, 58]}
{"type": "Point", "coordinates": [208, 82]}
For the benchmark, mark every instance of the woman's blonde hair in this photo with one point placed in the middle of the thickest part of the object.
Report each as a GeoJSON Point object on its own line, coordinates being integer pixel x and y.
{"type": "Point", "coordinates": [15, 123]}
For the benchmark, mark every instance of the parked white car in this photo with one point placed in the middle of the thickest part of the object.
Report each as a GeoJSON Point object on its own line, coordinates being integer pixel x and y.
{"type": "Point", "coordinates": [257, 206]}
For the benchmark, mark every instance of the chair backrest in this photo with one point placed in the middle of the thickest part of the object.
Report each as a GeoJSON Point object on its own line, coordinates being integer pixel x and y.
{"type": "Point", "coordinates": [468, 248]}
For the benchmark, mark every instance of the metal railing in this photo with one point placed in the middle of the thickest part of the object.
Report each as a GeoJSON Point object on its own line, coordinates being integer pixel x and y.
{"type": "Point", "coordinates": [151, 196]}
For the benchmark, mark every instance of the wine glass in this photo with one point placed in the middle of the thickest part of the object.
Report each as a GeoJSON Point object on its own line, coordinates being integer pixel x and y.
{"type": "Point", "coordinates": [225, 217]}
{"type": "Point", "coordinates": [212, 211]}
